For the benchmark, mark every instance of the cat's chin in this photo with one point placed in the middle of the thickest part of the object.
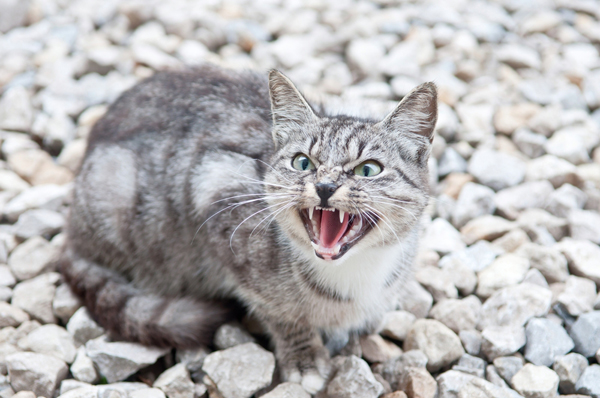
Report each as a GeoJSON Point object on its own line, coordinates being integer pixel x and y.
{"type": "Point", "coordinates": [332, 232]}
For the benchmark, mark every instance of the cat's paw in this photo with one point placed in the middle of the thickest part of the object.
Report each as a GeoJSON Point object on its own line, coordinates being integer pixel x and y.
{"type": "Point", "coordinates": [310, 370]}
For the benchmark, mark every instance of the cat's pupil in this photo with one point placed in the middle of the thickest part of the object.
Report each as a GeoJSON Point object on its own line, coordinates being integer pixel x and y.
{"type": "Point", "coordinates": [366, 170]}
{"type": "Point", "coordinates": [304, 163]}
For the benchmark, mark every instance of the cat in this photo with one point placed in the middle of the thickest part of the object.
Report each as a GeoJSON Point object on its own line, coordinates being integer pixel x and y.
{"type": "Point", "coordinates": [204, 185]}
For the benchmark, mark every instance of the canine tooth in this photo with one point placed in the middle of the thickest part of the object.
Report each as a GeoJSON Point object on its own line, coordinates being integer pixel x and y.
{"type": "Point", "coordinates": [341, 216]}
{"type": "Point", "coordinates": [310, 212]}
{"type": "Point", "coordinates": [336, 249]}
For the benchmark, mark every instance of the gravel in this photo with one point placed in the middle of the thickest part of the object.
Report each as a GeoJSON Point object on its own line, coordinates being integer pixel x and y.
{"type": "Point", "coordinates": [440, 344]}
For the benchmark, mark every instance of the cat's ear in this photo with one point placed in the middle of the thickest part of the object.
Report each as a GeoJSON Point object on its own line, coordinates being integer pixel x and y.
{"type": "Point", "coordinates": [416, 113]}
{"type": "Point", "coordinates": [289, 108]}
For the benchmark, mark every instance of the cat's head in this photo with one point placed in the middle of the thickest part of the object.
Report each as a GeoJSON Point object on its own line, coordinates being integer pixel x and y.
{"type": "Point", "coordinates": [342, 184]}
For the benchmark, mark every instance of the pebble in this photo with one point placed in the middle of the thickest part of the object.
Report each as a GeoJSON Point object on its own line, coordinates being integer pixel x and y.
{"type": "Point", "coordinates": [376, 349]}
{"type": "Point", "coordinates": [442, 237]}
{"type": "Point", "coordinates": [230, 335]}
{"type": "Point", "coordinates": [565, 199]}
{"type": "Point", "coordinates": [509, 118]}
{"type": "Point", "coordinates": [548, 260]}
{"type": "Point", "coordinates": [242, 370]}
{"type": "Point", "coordinates": [287, 390]}
{"type": "Point", "coordinates": [65, 303]}
{"type": "Point", "coordinates": [48, 196]}
{"type": "Point", "coordinates": [480, 388]}
{"type": "Point", "coordinates": [50, 340]}
{"type": "Point", "coordinates": [546, 341]}
{"type": "Point", "coordinates": [83, 368]}
{"type": "Point", "coordinates": [451, 382]}
{"type": "Point", "coordinates": [31, 257]}
{"type": "Point", "coordinates": [535, 382]}
{"type": "Point", "coordinates": [11, 316]}
{"type": "Point", "coordinates": [417, 300]}
{"type": "Point", "coordinates": [471, 365]}
{"type": "Point", "coordinates": [396, 324]}
{"type": "Point", "coordinates": [507, 367]}
{"type": "Point", "coordinates": [583, 258]}
{"type": "Point", "coordinates": [535, 277]}
{"type": "Point", "coordinates": [118, 360]}
{"type": "Point", "coordinates": [471, 341]}
{"type": "Point", "coordinates": [38, 222]}
{"type": "Point", "coordinates": [10, 181]}
{"type": "Point", "coordinates": [418, 383]}
{"type": "Point", "coordinates": [474, 200]}
{"type": "Point", "coordinates": [36, 372]}
{"type": "Point", "coordinates": [486, 227]}
{"type": "Point", "coordinates": [496, 170]}
{"type": "Point", "coordinates": [16, 111]}
{"type": "Point", "coordinates": [511, 201]}
{"type": "Point", "coordinates": [451, 162]}
{"type": "Point", "coordinates": [354, 378]}
{"type": "Point", "coordinates": [175, 382]}
{"type": "Point", "coordinates": [589, 382]}
{"type": "Point", "coordinates": [439, 283]}
{"type": "Point", "coordinates": [557, 171]}
{"type": "Point", "coordinates": [506, 270]}
{"type": "Point", "coordinates": [578, 296]}
{"type": "Point", "coordinates": [35, 296]}
{"type": "Point", "coordinates": [585, 332]}
{"type": "Point", "coordinates": [569, 369]}
{"type": "Point", "coordinates": [584, 225]}
{"type": "Point", "coordinates": [457, 314]}
{"type": "Point", "coordinates": [498, 341]}
{"type": "Point", "coordinates": [82, 327]}
{"type": "Point", "coordinates": [440, 344]}
{"type": "Point", "coordinates": [530, 143]}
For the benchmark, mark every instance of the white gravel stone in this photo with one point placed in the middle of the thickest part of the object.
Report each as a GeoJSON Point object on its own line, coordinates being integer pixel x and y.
{"type": "Point", "coordinates": [583, 258]}
{"type": "Point", "coordinates": [519, 56]}
{"type": "Point", "coordinates": [565, 199]}
{"type": "Point", "coordinates": [83, 328]}
{"type": "Point", "coordinates": [50, 340]}
{"type": "Point", "coordinates": [230, 335]}
{"type": "Point", "coordinates": [456, 314]}
{"type": "Point", "coordinates": [549, 167]}
{"type": "Point", "coordinates": [175, 382]}
{"type": "Point", "coordinates": [530, 143]}
{"type": "Point", "coordinates": [376, 349]}
{"type": "Point", "coordinates": [585, 332]}
{"type": "Point", "coordinates": [437, 341]}
{"type": "Point", "coordinates": [512, 201]}
{"type": "Point", "coordinates": [471, 365]}
{"type": "Point", "coordinates": [36, 372]}
{"type": "Point", "coordinates": [49, 197]}
{"type": "Point", "coordinates": [417, 300]}
{"type": "Point", "coordinates": [151, 393]}
{"type": "Point", "coordinates": [118, 360]}
{"type": "Point", "coordinates": [480, 388]}
{"type": "Point", "coordinates": [486, 227]}
{"type": "Point", "coordinates": [451, 162]}
{"type": "Point", "coordinates": [16, 111]}
{"type": "Point", "coordinates": [495, 169]}
{"type": "Point", "coordinates": [589, 382]}
{"type": "Point", "coordinates": [192, 358]}
{"type": "Point", "coordinates": [498, 341]}
{"type": "Point", "coordinates": [37, 223]}
{"type": "Point", "coordinates": [35, 296]}
{"type": "Point", "coordinates": [584, 225]}
{"type": "Point", "coordinates": [437, 282]}
{"type": "Point", "coordinates": [240, 371]}
{"type": "Point", "coordinates": [83, 368]}
{"type": "Point", "coordinates": [474, 200]}
{"type": "Point", "coordinates": [507, 367]}
{"type": "Point", "coordinates": [10, 181]}
{"type": "Point", "coordinates": [546, 341]}
{"type": "Point", "coordinates": [396, 324]}
{"type": "Point", "coordinates": [578, 296]}
{"type": "Point", "coordinates": [506, 270]}
{"type": "Point", "coordinates": [11, 316]}
{"type": "Point", "coordinates": [354, 378]}
{"type": "Point", "coordinates": [548, 260]}
{"type": "Point", "coordinates": [451, 382]}
{"type": "Point", "coordinates": [287, 390]}
{"type": "Point", "coordinates": [535, 382]}
{"type": "Point", "coordinates": [471, 341]}
{"type": "Point", "coordinates": [65, 303]}
{"type": "Point", "coordinates": [31, 257]}
{"type": "Point", "coordinates": [569, 369]}
{"type": "Point", "coordinates": [442, 237]}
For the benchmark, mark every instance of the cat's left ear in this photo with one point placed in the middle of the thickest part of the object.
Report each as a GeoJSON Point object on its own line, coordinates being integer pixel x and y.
{"type": "Point", "coordinates": [416, 113]}
{"type": "Point", "coordinates": [290, 109]}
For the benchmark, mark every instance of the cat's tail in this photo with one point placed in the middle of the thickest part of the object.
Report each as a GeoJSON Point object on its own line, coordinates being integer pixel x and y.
{"type": "Point", "coordinates": [133, 315]}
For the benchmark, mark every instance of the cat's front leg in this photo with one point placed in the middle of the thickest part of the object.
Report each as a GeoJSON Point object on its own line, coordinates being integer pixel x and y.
{"type": "Point", "coordinates": [300, 353]}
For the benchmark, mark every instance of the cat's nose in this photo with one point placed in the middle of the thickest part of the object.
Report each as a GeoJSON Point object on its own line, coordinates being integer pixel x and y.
{"type": "Point", "coordinates": [325, 190]}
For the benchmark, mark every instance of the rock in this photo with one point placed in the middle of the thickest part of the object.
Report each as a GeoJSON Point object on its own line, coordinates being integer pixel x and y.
{"type": "Point", "coordinates": [457, 314]}
{"type": "Point", "coordinates": [557, 171]}
{"type": "Point", "coordinates": [354, 378]}
{"type": "Point", "coordinates": [511, 241]}
{"type": "Point", "coordinates": [240, 371]}
{"type": "Point", "coordinates": [548, 260]}
{"type": "Point", "coordinates": [471, 340]}
{"type": "Point", "coordinates": [175, 382]}
{"type": "Point", "coordinates": [530, 143]}
{"type": "Point", "coordinates": [83, 328]}
{"type": "Point", "coordinates": [507, 367]}
{"type": "Point", "coordinates": [37, 167]}
{"type": "Point", "coordinates": [35, 296]}
{"type": "Point", "coordinates": [31, 257]}
{"type": "Point", "coordinates": [418, 383]}
{"type": "Point", "coordinates": [578, 296]}
{"type": "Point", "coordinates": [486, 227]}
{"type": "Point", "coordinates": [393, 371]}
{"type": "Point", "coordinates": [24, 394]}
{"type": "Point", "coordinates": [48, 197]}
{"type": "Point", "coordinates": [16, 112]}
{"type": "Point", "coordinates": [438, 342]}
{"type": "Point", "coordinates": [585, 332]}
{"type": "Point", "coordinates": [230, 335]}
{"type": "Point", "coordinates": [396, 324]}
{"type": "Point", "coordinates": [535, 382]}
{"type": "Point", "coordinates": [509, 118]}
{"type": "Point", "coordinates": [518, 56]}
{"type": "Point", "coordinates": [584, 225]}
{"type": "Point", "coordinates": [395, 394]}
{"type": "Point", "coordinates": [515, 305]}
{"type": "Point", "coordinates": [474, 200]}
{"type": "Point", "coordinates": [153, 393]}
{"type": "Point", "coordinates": [442, 237]}
{"type": "Point", "coordinates": [495, 169]}
{"type": "Point", "coordinates": [65, 303]}
{"type": "Point", "coordinates": [589, 382]}
{"type": "Point", "coordinates": [376, 349]}
{"type": "Point", "coordinates": [511, 201]}
{"type": "Point", "coordinates": [564, 144]}
{"type": "Point", "coordinates": [451, 162]}
{"type": "Point", "coordinates": [506, 270]}
{"type": "Point", "coordinates": [37, 223]}
{"type": "Point", "coordinates": [471, 365]}
{"type": "Point", "coordinates": [569, 369]}
{"type": "Point", "coordinates": [11, 316]}
{"type": "Point", "coordinates": [583, 258]}
{"type": "Point", "coordinates": [70, 385]}
{"type": "Point", "coordinates": [417, 300]}
{"type": "Point", "coordinates": [83, 368]}
{"type": "Point", "coordinates": [451, 382]}
{"type": "Point", "coordinates": [50, 340]}
{"type": "Point", "coordinates": [118, 360]}
{"type": "Point", "coordinates": [437, 282]}
{"type": "Point", "coordinates": [10, 181]}
{"type": "Point", "coordinates": [479, 388]}
{"type": "Point", "coordinates": [458, 267]}
{"type": "Point", "coordinates": [39, 373]}
{"type": "Point", "coordinates": [287, 390]}
{"type": "Point", "coordinates": [476, 121]}
{"type": "Point", "coordinates": [365, 55]}
{"type": "Point", "coordinates": [546, 341]}
{"type": "Point", "coordinates": [192, 358]}
{"type": "Point", "coordinates": [498, 341]}
{"type": "Point", "coordinates": [565, 199]}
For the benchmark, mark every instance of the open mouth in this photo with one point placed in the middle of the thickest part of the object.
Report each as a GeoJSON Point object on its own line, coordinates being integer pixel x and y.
{"type": "Point", "coordinates": [333, 232]}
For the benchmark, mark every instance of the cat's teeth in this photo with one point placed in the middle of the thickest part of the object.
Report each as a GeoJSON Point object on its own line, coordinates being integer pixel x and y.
{"type": "Point", "coordinates": [336, 249]}
{"type": "Point", "coordinates": [310, 212]}
{"type": "Point", "coordinates": [342, 216]}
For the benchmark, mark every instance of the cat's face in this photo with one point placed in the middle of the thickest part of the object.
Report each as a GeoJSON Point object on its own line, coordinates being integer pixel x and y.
{"type": "Point", "coordinates": [339, 185]}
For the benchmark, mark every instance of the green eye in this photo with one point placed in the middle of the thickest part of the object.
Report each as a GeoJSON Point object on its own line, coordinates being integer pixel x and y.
{"type": "Point", "coordinates": [303, 163]}
{"type": "Point", "coordinates": [370, 168]}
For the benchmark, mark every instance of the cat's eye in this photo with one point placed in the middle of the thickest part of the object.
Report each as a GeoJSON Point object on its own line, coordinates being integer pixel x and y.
{"type": "Point", "coordinates": [370, 168]}
{"type": "Point", "coordinates": [303, 163]}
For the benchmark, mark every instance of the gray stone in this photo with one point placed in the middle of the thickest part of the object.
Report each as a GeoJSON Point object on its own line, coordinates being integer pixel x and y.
{"type": "Point", "coordinates": [451, 162]}
{"type": "Point", "coordinates": [565, 199]}
{"type": "Point", "coordinates": [38, 222]}
{"type": "Point", "coordinates": [240, 371]}
{"type": "Point", "coordinates": [567, 145]}
{"type": "Point", "coordinates": [491, 375]}
{"type": "Point", "coordinates": [546, 341]}
{"type": "Point", "coordinates": [118, 360]}
{"type": "Point", "coordinates": [518, 56]}
{"type": "Point", "coordinates": [495, 169]}
{"type": "Point", "coordinates": [10, 181]}
{"type": "Point", "coordinates": [83, 368]}
{"type": "Point", "coordinates": [393, 371]}
{"type": "Point", "coordinates": [154, 393]}
{"type": "Point", "coordinates": [376, 349]}
{"type": "Point", "coordinates": [287, 390]}
{"type": "Point", "coordinates": [471, 365]}
{"type": "Point", "coordinates": [175, 382]}
{"type": "Point", "coordinates": [511, 241]}
{"type": "Point", "coordinates": [50, 340]}
{"type": "Point", "coordinates": [451, 382]}
{"type": "Point", "coordinates": [498, 341]}
{"type": "Point", "coordinates": [535, 277]}
{"type": "Point", "coordinates": [442, 237]}
{"type": "Point", "coordinates": [474, 200]}
{"type": "Point", "coordinates": [557, 171]}
{"type": "Point", "coordinates": [35, 296]}
{"type": "Point", "coordinates": [530, 143]}
{"type": "Point", "coordinates": [16, 112]}
{"type": "Point", "coordinates": [583, 258]}
{"type": "Point", "coordinates": [437, 341]}
{"type": "Point", "coordinates": [11, 316]}
{"type": "Point", "coordinates": [548, 260]}
{"type": "Point", "coordinates": [354, 378]}
{"type": "Point", "coordinates": [515, 305]}
{"type": "Point", "coordinates": [528, 195]}
{"type": "Point", "coordinates": [486, 227]}
{"type": "Point", "coordinates": [480, 388]}
{"type": "Point", "coordinates": [458, 267]}
{"type": "Point", "coordinates": [31, 257]}
{"type": "Point", "coordinates": [230, 335]}
{"type": "Point", "coordinates": [578, 296]}
{"type": "Point", "coordinates": [569, 369]}
{"type": "Point", "coordinates": [35, 372]}
{"type": "Point", "coordinates": [71, 384]}
{"type": "Point", "coordinates": [437, 282]}
{"type": "Point", "coordinates": [584, 225]}
{"type": "Point", "coordinates": [47, 196]}
{"type": "Point", "coordinates": [585, 332]}
{"type": "Point", "coordinates": [506, 270]}
{"type": "Point", "coordinates": [396, 324]}
{"type": "Point", "coordinates": [65, 303]}
{"type": "Point", "coordinates": [365, 55]}
{"type": "Point", "coordinates": [471, 340]}
{"type": "Point", "coordinates": [507, 367]}
{"type": "Point", "coordinates": [83, 328]}
{"type": "Point", "coordinates": [535, 382]}
{"type": "Point", "coordinates": [457, 314]}
{"type": "Point", "coordinates": [192, 358]}
{"type": "Point", "coordinates": [589, 382]}
{"type": "Point", "coordinates": [417, 300]}
{"type": "Point", "coordinates": [417, 382]}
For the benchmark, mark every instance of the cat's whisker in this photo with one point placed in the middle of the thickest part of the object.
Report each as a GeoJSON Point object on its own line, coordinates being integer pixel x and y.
{"type": "Point", "coordinates": [285, 206]}
{"type": "Point", "coordinates": [265, 195]}
{"type": "Point", "coordinates": [383, 218]}
{"type": "Point", "coordinates": [398, 206]}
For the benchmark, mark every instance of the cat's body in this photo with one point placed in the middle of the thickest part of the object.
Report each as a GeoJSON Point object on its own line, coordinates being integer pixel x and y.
{"type": "Point", "coordinates": [185, 159]}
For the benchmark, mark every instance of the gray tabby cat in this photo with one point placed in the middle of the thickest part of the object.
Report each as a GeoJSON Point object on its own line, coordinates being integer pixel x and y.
{"type": "Point", "coordinates": [196, 188]}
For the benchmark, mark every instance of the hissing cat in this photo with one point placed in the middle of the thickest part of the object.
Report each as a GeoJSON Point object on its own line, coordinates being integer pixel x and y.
{"type": "Point", "coordinates": [210, 184]}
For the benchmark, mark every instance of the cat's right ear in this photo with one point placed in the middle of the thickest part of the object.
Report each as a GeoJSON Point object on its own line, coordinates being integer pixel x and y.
{"type": "Point", "coordinates": [289, 108]}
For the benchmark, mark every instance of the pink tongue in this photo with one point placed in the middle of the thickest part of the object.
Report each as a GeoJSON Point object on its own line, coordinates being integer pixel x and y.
{"type": "Point", "coordinates": [331, 227]}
